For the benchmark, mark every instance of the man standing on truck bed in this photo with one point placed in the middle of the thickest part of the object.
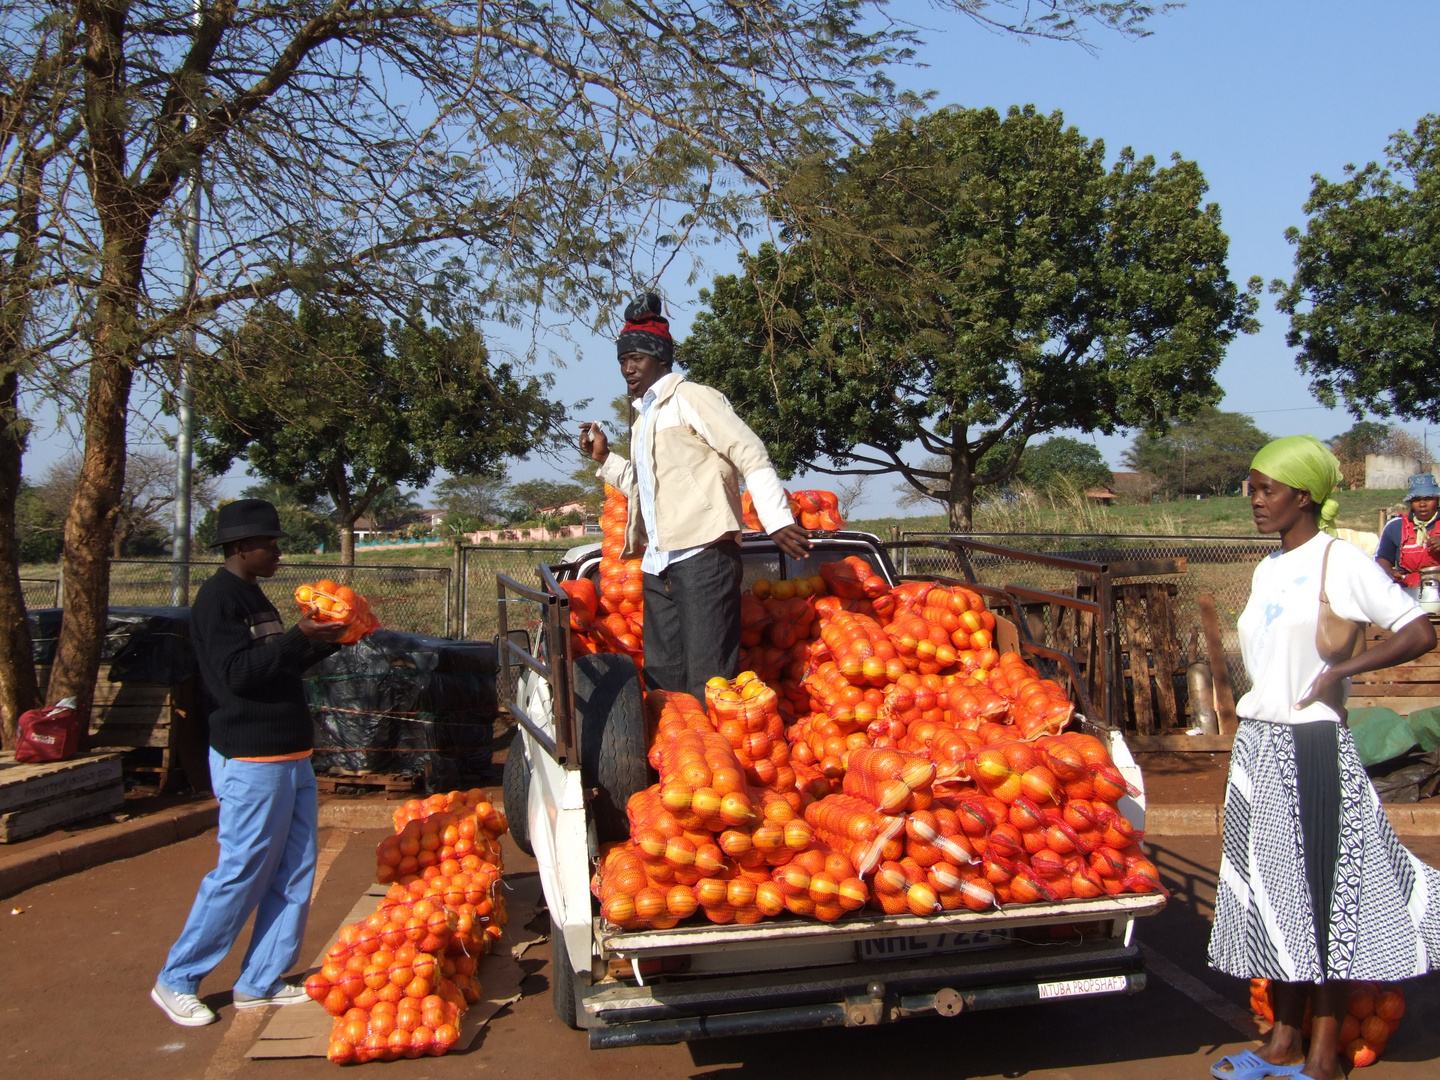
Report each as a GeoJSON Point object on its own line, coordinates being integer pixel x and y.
{"type": "Point", "coordinates": [689, 451]}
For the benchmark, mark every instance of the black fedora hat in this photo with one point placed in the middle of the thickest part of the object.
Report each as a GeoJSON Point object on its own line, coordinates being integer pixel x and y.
{"type": "Point", "coordinates": [244, 518]}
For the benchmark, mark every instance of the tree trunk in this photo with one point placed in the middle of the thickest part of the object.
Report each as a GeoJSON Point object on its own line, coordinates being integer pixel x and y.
{"type": "Point", "coordinates": [347, 543]}
{"type": "Point", "coordinates": [962, 511]}
{"type": "Point", "coordinates": [18, 688]}
{"type": "Point", "coordinates": [90, 526]}
{"type": "Point", "coordinates": [962, 480]}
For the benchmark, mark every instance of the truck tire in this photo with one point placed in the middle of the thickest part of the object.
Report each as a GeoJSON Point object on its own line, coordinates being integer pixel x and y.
{"type": "Point", "coordinates": [611, 721]}
{"type": "Point", "coordinates": [562, 980]}
{"type": "Point", "coordinates": [517, 792]}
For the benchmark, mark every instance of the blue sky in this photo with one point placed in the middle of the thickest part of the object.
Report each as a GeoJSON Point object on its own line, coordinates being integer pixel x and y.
{"type": "Point", "coordinates": [1261, 93]}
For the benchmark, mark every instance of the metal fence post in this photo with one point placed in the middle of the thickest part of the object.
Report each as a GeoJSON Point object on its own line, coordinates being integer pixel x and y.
{"type": "Point", "coordinates": [457, 576]}
{"type": "Point", "coordinates": [1113, 685]}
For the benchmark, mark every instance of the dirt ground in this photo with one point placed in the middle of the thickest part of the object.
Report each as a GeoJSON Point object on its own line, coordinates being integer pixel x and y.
{"type": "Point", "coordinates": [1184, 778]}
{"type": "Point", "coordinates": [82, 954]}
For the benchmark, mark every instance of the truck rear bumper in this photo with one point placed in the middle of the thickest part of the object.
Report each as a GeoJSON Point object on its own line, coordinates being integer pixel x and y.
{"type": "Point", "coordinates": [857, 995]}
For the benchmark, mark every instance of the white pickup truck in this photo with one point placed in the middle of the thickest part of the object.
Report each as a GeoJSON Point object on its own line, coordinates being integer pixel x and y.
{"type": "Point", "coordinates": [579, 753]}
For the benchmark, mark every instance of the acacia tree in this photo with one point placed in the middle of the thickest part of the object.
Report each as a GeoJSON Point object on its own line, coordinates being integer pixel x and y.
{"type": "Point", "coordinates": [1208, 455]}
{"type": "Point", "coordinates": [1371, 437]}
{"type": "Point", "coordinates": [38, 127]}
{"type": "Point", "coordinates": [1366, 290]}
{"type": "Point", "coordinates": [544, 147]}
{"type": "Point", "coordinates": [330, 400]}
{"type": "Point", "coordinates": [1061, 463]}
{"type": "Point", "coordinates": [475, 497]}
{"type": "Point", "coordinates": [967, 282]}
{"type": "Point", "coordinates": [145, 501]}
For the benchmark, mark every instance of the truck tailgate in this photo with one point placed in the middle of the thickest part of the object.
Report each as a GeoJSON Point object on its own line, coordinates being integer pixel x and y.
{"type": "Point", "coordinates": [640, 944]}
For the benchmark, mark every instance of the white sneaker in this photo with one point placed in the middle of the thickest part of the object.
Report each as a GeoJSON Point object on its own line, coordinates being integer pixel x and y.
{"type": "Point", "coordinates": [187, 1010]}
{"type": "Point", "coordinates": [285, 995]}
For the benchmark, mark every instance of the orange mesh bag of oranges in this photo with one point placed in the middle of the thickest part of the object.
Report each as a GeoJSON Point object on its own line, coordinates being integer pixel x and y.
{"type": "Point", "coordinates": [398, 982]}
{"type": "Point", "coordinates": [1372, 1013]}
{"type": "Point", "coordinates": [325, 601]}
{"type": "Point", "coordinates": [812, 509]}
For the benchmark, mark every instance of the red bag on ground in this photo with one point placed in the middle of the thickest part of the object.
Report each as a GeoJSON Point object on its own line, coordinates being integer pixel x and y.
{"type": "Point", "coordinates": [50, 734]}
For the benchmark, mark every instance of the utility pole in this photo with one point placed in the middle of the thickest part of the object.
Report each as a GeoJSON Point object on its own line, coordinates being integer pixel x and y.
{"type": "Point", "coordinates": [184, 392]}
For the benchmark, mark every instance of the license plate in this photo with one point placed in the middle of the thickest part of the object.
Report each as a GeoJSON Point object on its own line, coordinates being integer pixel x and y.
{"type": "Point", "coordinates": [891, 948]}
{"type": "Point", "coordinates": [1108, 984]}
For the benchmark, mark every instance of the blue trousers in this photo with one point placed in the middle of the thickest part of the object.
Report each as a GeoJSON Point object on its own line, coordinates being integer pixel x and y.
{"type": "Point", "coordinates": [269, 817]}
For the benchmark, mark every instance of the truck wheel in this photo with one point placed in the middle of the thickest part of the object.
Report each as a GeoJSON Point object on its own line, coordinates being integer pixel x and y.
{"type": "Point", "coordinates": [562, 979]}
{"type": "Point", "coordinates": [517, 792]}
{"type": "Point", "coordinates": [611, 721]}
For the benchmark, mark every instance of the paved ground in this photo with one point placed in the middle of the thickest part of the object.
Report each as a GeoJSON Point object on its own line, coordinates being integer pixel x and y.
{"type": "Point", "coordinates": [77, 964]}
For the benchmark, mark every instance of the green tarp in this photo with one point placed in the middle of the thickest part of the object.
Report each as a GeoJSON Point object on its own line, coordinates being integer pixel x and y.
{"type": "Point", "coordinates": [1383, 734]}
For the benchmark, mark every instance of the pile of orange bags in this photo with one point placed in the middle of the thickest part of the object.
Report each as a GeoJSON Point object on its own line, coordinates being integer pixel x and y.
{"type": "Point", "coordinates": [398, 982]}
{"type": "Point", "coordinates": [610, 619]}
{"type": "Point", "coordinates": [877, 735]}
{"type": "Point", "coordinates": [1372, 1014]}
{"type": "Point", "coordinates": [811, 509]}
{"type": "Point", "coordinates": [324, 601]}
{"type": "Point", "coordinates": [709, 838]}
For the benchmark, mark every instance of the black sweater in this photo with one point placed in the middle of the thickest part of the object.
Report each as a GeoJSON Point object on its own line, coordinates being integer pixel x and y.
{"type": "Point", "coordinates": [251, 665]}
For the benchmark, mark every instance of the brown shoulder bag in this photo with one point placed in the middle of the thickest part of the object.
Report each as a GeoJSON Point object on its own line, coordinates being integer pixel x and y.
{"type": "Point", "coordinates": [1335, 638]}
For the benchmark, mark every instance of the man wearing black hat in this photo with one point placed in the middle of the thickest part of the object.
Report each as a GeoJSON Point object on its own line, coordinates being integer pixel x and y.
{"type": "Point", "coordinates": [260, 745]}
{"type": "Point", "coordinates": [688, 453]}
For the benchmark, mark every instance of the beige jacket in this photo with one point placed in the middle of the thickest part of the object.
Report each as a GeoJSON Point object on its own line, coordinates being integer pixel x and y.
{"type": "Point", "coordinates": [699, 449]}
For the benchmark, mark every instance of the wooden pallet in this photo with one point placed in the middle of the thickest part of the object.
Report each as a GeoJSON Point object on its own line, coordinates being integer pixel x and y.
{"type": "Point", "coordinates": [37, 797]}
{"type": "Point", "coordinates": [1151, 656]}
{"type": "Point", "coordinates": [390, 783]}
{"type": "Point", "coordinates": [1407, 688]}
{"type": "Point", "coordinates": [138, 715]}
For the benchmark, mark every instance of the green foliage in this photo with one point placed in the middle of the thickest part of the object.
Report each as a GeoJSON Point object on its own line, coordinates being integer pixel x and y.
{"type": "Point", "coordinates": [306, 520]}
{"type": "Point", "coordinates": [1370, 437]}
{"type": "Point", "coordinates": [39, 527]}
{"type": "Point", "coordinates": [526, 499]}
{"type": "Point", "coordinates": [331, 401]}
{"type": "Point", "coordinates": [1209, 455]}
{"type": "Point", "coordinates": [1366, 290]}
{"type": "Point", "coordinates": [965, 283]}
{"type": "Point", "coordinates": [474, 499]}
{"type": "Point", "coordinates": [1061, 463]}
{"type": "Point", "coordinates": [618, 434]}
{"type": "Point", "coordinates": [1364, 437]}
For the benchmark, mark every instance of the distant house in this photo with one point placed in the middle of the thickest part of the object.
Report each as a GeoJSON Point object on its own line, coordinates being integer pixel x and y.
{"type": "Point", "coordinates": [562, 510]}
{"type": "Point", "coordinates": [368, 528]}
{"type": "Point", "coordinates": [1103, 496]}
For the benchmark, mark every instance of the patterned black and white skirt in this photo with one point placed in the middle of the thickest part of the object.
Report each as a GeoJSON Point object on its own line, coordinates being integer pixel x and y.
{"type": "Point", "coordinates": [1383, 903]}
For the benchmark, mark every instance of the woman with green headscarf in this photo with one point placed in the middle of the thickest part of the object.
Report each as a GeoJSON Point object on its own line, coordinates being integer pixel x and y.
{"type": "Point", "coordinates": [1304, 829]}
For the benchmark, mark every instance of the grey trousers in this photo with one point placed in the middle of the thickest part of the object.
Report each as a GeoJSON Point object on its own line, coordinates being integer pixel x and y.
{"type": "Point", "coordinates": [692, 620]}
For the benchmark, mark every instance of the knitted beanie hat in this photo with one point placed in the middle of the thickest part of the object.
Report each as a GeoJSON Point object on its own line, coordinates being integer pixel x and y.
{"type": "Point", "coordinates": [646, 330]}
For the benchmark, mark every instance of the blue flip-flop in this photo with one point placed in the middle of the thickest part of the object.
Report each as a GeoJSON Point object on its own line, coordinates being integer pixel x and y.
{"type": "Point", "coordinates": [1248, 1065]}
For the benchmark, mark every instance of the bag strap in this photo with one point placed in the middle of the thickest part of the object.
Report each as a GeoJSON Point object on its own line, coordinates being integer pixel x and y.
{"type": "Point", "coordinates": [1324, 566]}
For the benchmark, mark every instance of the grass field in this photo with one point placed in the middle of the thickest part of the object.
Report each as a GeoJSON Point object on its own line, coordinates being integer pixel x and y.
{"type": "Point", "coordinates": [1224, 516]}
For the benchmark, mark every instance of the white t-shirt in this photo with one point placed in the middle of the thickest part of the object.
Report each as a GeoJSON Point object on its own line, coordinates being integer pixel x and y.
{"type": "Point", "coordinates": [1277, 627]}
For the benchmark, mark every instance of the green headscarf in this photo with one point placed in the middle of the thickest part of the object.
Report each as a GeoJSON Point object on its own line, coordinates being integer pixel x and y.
{"type": "Point", "coordinates": [1305, 463]}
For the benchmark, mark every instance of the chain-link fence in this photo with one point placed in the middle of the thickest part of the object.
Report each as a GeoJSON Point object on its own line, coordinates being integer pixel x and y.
{"type": "Point", "coordinates": [479, 563]}
{"type": "Point", "coordinates": [414, 599]}
{"type": "Point", "coordinates": [1220, 566]}
{"type": "Point", "coordinates": [40, 592]}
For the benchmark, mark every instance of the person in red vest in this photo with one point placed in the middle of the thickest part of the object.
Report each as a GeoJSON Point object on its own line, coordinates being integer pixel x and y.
{"type": "Point", "coordinates": [1410, 543]}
